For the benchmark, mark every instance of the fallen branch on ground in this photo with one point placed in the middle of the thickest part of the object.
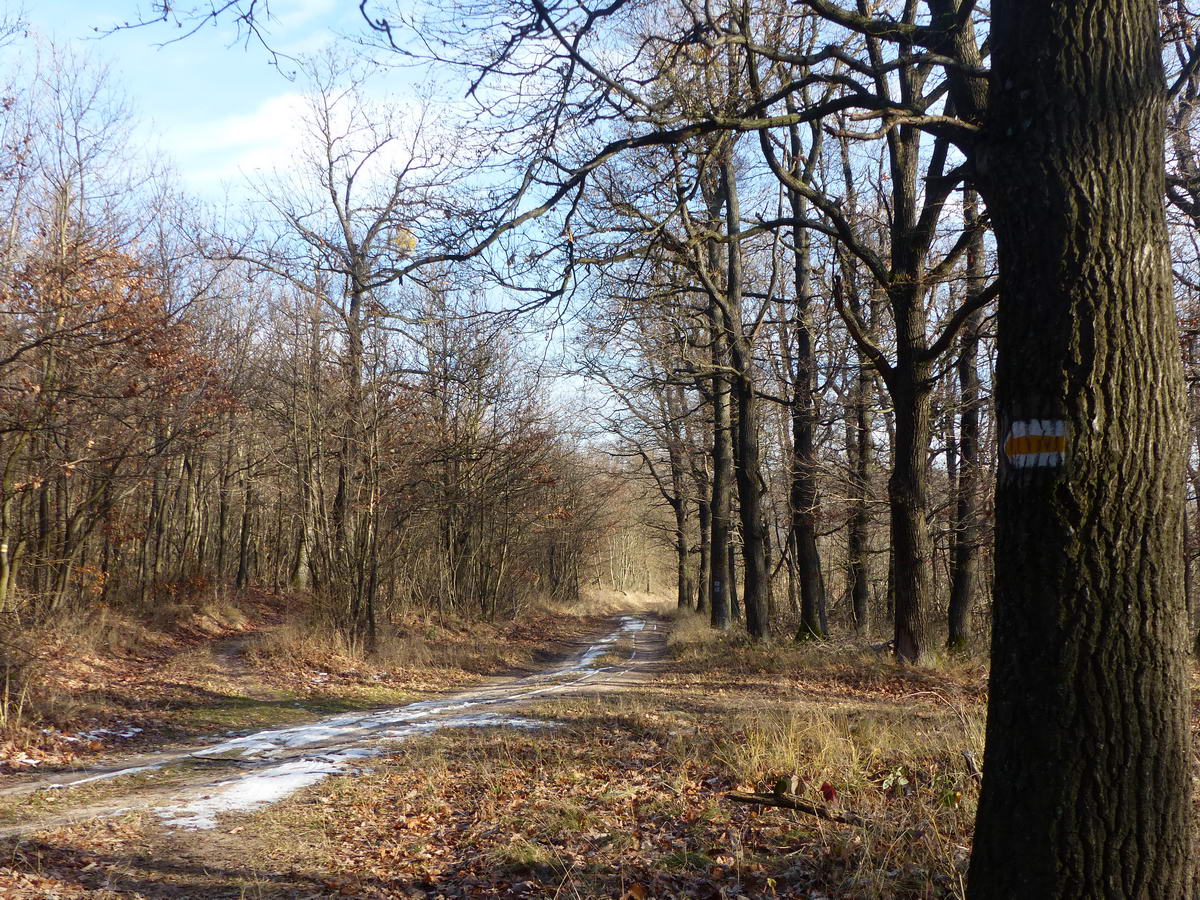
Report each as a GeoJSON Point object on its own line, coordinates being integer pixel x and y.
{"type": "Point", "coordinates": [786, 801]}
{"type": "Point", "coordinates": [973, 767]}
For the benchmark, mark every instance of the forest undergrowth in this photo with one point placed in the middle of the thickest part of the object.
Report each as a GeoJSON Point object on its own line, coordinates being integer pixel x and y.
{"type": "Point", "coordinates": [622, 794]}
{"type": "Point", "coordinates": [107, 682]}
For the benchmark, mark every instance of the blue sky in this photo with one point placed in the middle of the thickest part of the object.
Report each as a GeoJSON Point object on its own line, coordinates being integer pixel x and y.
{"type": "Point", "coordinates": [217, 105]}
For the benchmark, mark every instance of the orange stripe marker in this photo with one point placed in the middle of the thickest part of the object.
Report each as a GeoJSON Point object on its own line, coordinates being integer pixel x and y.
{"type": "Point", "coordinates": [1036, 443]}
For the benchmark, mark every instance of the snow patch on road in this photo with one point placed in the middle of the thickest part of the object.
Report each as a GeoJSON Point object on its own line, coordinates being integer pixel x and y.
{"type": "Point", "coordinates": [273, 783]}
{"type": "Point", "coordinates": [96, 734]}
{"type": "Point", "coordinates": [279, 761]}
{"type": "Point", "coordinates": [628, 625]}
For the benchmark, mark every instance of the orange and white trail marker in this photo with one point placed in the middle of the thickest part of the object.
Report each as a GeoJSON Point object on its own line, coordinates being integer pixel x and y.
{"type": "Point", "coordinates": [1036, 442]}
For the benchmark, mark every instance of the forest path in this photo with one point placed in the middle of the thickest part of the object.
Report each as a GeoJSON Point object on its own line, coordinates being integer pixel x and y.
{"type": "Point", "coordinates": [190, 788]}
{"type": "Point", "coordinates": [229, 660]}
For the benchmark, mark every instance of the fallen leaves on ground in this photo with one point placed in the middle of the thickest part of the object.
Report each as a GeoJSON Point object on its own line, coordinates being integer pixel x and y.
{"type": "Point", "coordinates": [621, 796]}
{"type": "Point", "coordinates": [206, 675]}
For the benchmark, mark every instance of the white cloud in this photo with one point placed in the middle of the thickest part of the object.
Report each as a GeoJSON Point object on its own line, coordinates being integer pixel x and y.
{"type": "Point", "coordinates": [290, 14]}
{"type": "Point", "coordinates": [264, 140]}
{"type": "Point", "coordinates": [272, 138]}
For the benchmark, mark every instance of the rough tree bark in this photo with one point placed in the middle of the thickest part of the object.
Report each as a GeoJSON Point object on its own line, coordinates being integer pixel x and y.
{"type": "Point", "coordinates": [908, 488]}
{"type": "Point", "coordinates": [673, 411]}
{"type": "Point", "coordinates": [1087, 789]}
{"type": "Point", "coordinates": [910, 385]}
{"type": "Point", "coordinates": [748, 468]}
{"type": "Point", "coordinates": [721, 499]}
{"type": "Point", "coordinates": [803, 496]}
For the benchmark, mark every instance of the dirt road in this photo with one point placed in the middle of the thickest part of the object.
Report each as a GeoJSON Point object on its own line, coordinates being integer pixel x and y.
{"type": "Point", "coordinates": [191, 788]}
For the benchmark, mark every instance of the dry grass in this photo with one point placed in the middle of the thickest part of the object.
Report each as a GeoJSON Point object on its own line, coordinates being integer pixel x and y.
{"type": "Point", "coordinates": [210, 665]}
{"type": "Point", "coordinates": [41, 665]}
{"type": "Point", "coordinates": [629, 789]}
{"type": "Point", "coordinates": [623, 794]}
{"type": "Point", "coordinates": [597, 601]}
{"type": "Point", "coordinates": [887, 741]}
{"type": "Point", "coordinates": [93, 668]}
{"type": "Point", "coordinates": [697, 649]}
{"type": "Point", "coordinates": [900, 767]}
{"type": "Point", "coordinates": [467, 648]}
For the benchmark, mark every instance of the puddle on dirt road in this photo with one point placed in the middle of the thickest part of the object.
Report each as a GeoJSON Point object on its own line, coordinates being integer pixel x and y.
{"type": "Point", "coordinates": [278, 762]}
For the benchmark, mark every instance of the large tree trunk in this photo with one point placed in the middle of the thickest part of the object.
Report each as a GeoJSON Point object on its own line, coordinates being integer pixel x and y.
{"type": "Point", "coordinates": [966, 514]}
{"type": "Point", "coordinates": [1087, 789]}
{"type": "Point", "coordinates": [674, 410]}
{"type": "Point", "coordinates": [910, 385]}
{"type": "Point", "coordinates": [703, 576]}
{"type": "Point", "coordinates": [720, 504]}
{"type": "Point", "coordinates": [722, 493]}
{"type": "Point", "coordinates": [803, 495]}
{"type": "Point", "coordinates": [754, 555]}
{"type": "Point", "coordinates": [907, 490]}
{"type": "Point", "coordinates": [748, 469]}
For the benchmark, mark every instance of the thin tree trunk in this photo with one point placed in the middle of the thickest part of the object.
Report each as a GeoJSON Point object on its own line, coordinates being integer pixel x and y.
{"type": "Point", "coordinates": [243, 569]}
{"type": "Point", "coordinates": [704, 578]}
{"type": "Point", "coordinates": [684, 587]}
{"type": "Point", "coordinates": [859, 449]}
{"type": "Point", "coordinates": [735, 608]}
{"type": "Point", "coordinates": [966, 515]}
